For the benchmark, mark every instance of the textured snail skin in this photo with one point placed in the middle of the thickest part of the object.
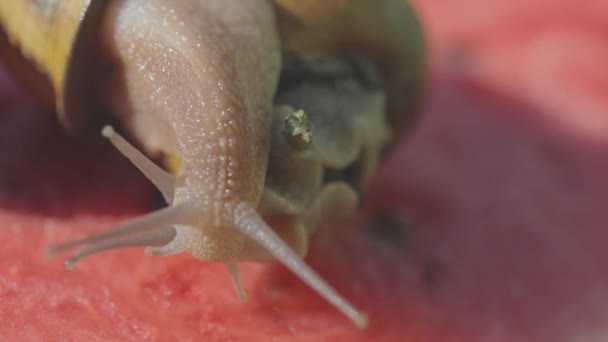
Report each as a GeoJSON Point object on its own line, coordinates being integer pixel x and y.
{"type": "Point", "coordinates": [196, 80]}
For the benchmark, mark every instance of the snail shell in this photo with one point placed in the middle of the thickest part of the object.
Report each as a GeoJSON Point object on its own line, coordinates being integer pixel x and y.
{"type": "Point", "coordinates": [267, 107]}
{"type": "Point", "coordinates": [57, 36]}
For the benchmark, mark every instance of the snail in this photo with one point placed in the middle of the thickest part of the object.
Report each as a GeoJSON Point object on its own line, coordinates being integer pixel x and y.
{"type": "Point", "coordinates": [270, 116]}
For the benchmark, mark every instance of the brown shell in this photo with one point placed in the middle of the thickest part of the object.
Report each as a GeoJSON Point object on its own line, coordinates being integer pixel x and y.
{"type": "Point", "coordinates": [59, 35]}
{"type": "Point", "coordinates": [386, 32]}
{"type": "Point", "coordinates": [56, 36]}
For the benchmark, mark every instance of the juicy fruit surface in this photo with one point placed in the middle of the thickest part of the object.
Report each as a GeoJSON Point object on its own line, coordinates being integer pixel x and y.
{"type": "Point", "coordinates": [493, 225]}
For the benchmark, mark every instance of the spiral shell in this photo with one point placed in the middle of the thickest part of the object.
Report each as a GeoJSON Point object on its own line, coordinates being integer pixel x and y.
{"type": "Point", "coordinates": [58, 36]}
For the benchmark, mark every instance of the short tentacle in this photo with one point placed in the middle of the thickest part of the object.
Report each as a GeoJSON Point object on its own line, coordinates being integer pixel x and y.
{"type": "Point", "coordinates": [178, 214]}
{"type": "Point", "coordinates": [157, 237]}
{"type": "Point", "coordinates": [233, 271]}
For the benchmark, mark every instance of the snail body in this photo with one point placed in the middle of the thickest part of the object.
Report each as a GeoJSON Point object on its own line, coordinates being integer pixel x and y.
{"type": "Point", "coordinates": [213, 85]}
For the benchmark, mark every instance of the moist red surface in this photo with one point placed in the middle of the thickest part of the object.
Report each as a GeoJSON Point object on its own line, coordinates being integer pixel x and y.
{"type": "Point", "coordinates": [501, 189]}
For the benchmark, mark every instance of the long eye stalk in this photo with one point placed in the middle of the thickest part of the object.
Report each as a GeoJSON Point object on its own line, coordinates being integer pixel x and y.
{"type": "Point", "coordinates": [163, 181]}
{"type": "Point", "coordinates": [248, 222]}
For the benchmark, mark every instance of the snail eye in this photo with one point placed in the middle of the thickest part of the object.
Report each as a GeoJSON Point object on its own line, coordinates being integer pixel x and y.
{"type": "Point", "coordinates": [154, 229]}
